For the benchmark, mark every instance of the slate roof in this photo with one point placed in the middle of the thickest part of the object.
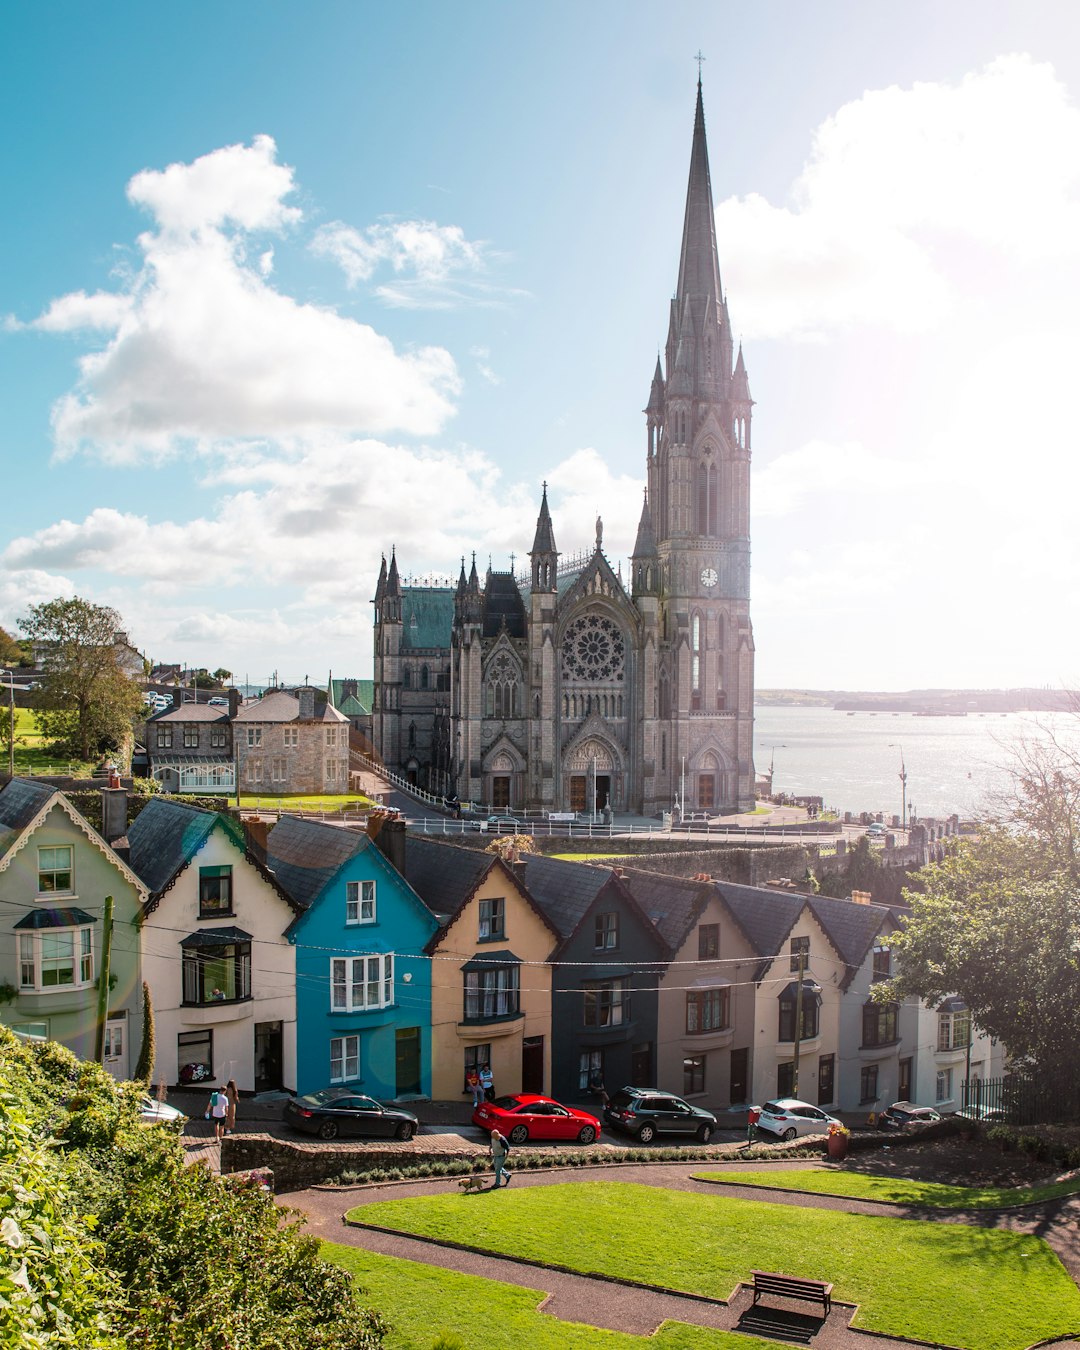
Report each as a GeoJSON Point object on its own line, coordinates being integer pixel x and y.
{"type": "Point", "coordinates": [503, 605]}
{"type": "Point", "coordinates": [163, 838]}
{"type": "Point", "coordinates": [192, 712]}
{"type": "Point", "coordinates": [444, 875]}
{"type": "Point", "coordinates": [305, 855]}
{"type": "Point", "coordinates": [280, 706]}
{"type": "Point", "coordinates": [20, 802]}
{"type": "Point", "coordinates": [427, 615]}
{"type": "Point", "coordinates": [673, 904]}
{"type": "Point", "coordinates": [765, 916]}
{"type": "Point", "coordinates": [852, 928]}
{"type": "Point", "coordinates": [352, 704]}
{"type": "Point", "coordinates": [563, 890]}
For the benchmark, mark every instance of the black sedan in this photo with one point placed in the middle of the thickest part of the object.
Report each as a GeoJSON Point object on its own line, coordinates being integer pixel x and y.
{"type": "Point", "coordinates": [341, 1111]}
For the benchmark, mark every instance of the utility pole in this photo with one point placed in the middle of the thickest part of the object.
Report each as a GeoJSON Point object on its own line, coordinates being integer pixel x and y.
{"type": "Point", "coordinates": [103, 981]}
{"type": "Point", "coordinates": [798, 1026]}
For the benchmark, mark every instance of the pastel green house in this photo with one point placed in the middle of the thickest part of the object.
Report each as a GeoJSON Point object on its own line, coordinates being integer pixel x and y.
{"type": "Point", "coordinates": [55, 872]}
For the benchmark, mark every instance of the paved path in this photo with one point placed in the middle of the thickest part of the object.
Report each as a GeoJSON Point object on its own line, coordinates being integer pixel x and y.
{"type": "Point", "coordinates": [601, 1303]}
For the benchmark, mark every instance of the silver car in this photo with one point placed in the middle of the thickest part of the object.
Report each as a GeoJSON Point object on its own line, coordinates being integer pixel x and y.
{"type": "Point", "coordinates": [789, 1118]}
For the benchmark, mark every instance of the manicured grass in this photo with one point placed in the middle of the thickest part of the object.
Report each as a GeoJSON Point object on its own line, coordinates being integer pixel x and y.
{"type": "Point", "coordinates": [350, 800]}
{"type": "Point", "coordinates": [419, 1301]}
{"type": "Point", "coordinates": [587, 857]}
{"type": "Point", "coordinates": [33, 754]}
{"type": "Point", "coordinates": [896, 1190]}
{"type": "Point", "coordinates": [964, 1286]}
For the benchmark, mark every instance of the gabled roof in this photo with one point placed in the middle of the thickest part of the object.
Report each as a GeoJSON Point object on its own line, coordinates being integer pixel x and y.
{"type": "Point", "coordinates": [166, 836]}
{"type": "Point", "coordinates": [766, 917]}
{"type": "Point", "coordinates": [563, 890]}
{"type": "Point", "coordinates": [672, 904]}
{"type": "Point", "coordinates": [427, 617]}
{"type": "Point", "coordinates": [447, 876]}
{"type": "Point", "coordinates": [852, 929]}
{"type": "Point", "coordinates": [503, 606]}
{"type": "Point", "coordinates": [305, 855]}
{"type": "Point", "coordinates": [192, 712]}
{"type": "Point", "coordinates": [281, 706]}
{"type": "Point", "coordinates": [24, 804]}
{"type": "Point", "coordinates": [352, 697]}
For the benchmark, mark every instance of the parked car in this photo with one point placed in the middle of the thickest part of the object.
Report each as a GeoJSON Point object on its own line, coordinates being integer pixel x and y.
{"type": "Point", "coordinates": [526, 1115]}
{"type": "Point", "coordinates": [158, 702]}
{"type": "Point", "coordinates": [218, 701]}
{"type": "Point", "coordinates": [989, 1115]}
{"type": "Point", "coordinates": [499, 824]}
{"type": "Point", "coordinates": [338, 1110]}
{"type": "Point", "coordinates": [789, 1118]}
{"type": "Point", "coordinates": [647, 1112]}
{"type": "Point", "coordinates": [876, 830]}
{"type": "Point", "coordinates": [906, 1115]}
{"type": "Point", "coordinates": [153, 1112]}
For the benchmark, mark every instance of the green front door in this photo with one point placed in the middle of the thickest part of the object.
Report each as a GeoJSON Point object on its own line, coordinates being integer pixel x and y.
{"type": "Point", "coordinates": [408, 1062]}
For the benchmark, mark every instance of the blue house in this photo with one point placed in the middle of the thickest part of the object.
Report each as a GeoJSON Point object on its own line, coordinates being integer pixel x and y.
{"type": "Point", "coordinates": [363, 983]}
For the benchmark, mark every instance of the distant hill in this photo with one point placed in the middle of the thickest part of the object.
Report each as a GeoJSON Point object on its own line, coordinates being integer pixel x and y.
{"type": "Point", "coordinates": [928, 702]}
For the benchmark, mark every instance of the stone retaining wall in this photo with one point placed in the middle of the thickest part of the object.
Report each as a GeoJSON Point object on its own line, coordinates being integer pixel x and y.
{"type": "Point", "coordinates": [296, 1166]}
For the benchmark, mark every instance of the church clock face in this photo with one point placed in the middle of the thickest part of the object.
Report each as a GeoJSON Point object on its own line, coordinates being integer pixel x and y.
{"type": "Point", "coordinates": [709, 577]}
{"type": "Point", "coordinates": [592, 649]}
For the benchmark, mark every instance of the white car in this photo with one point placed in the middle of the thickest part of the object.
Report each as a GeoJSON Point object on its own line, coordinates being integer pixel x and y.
{"type": "Point", "coordinates": [789, 1118]}
{"type": "Point", "coordinates": [153, 1112]}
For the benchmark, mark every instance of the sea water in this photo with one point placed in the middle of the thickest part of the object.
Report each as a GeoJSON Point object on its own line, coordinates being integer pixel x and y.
{"type": "Point", "coordinates": [955, 765]}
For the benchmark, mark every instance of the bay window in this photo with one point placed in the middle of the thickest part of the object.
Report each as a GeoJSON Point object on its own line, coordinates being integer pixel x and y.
{"type": "Point", "coordinates": [361, 983]}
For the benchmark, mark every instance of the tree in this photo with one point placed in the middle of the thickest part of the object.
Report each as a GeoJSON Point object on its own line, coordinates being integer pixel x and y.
{"type": "Point", "coordinates": [222, 675]}
{"type": "Point", "coordinates": [998, 921]}
{"type": "Point", "coordinates": [10, 651]}
{"type": "Point", "coordinates": [859, 873]}
{"type": "Point", "coordinates": [148, 1051]}
{"type": "Point", "coordinates": [86, 703]}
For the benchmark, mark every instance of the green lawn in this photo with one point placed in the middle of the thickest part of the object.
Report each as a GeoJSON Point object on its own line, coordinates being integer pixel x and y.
{"type": "Point", "coordinates": [587, 857]}
{"type": "Point", "coordinates": [419, 1301]}
{"type": "Point", "coordinates": [895, 1190]}
{"type": "Point", "coordinates": [964, 1286]}
{"type": "Point", "coordinates": [33, 755]}
{"type": "Point", "coordinates": [349, 800]}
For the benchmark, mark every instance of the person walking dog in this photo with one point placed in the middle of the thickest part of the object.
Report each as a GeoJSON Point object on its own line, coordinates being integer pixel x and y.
{"type": "Point", "coordinates": [499, 1149]}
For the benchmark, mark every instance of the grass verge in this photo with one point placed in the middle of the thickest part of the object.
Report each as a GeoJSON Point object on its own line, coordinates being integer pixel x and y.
{"type": "Point", "coordinates": [340, 801]}
{"type": "Point", "coordinates": [952, 1288]}
{"type": "Point", "coordinates": [896, 1190]}
{"type": "Point", "coordinates": [418, 1302]}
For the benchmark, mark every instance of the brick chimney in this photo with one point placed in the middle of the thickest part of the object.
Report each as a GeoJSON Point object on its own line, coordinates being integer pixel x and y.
{"type": "Point", "coordinates": [307, 704]}
{"type": "Point", "coordinates": [388, 834]}
{"type": "Point", "coordinates": [257, 835]}
{"type": "Point", "coordinates": [234, 702]}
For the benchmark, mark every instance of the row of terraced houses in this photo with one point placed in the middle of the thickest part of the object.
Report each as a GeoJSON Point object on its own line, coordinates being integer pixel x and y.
{"type": "Point", "coordinates": [303, 955]}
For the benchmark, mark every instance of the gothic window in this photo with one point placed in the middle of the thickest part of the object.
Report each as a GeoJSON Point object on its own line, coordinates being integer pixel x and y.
{"type": "Point", "coordinates": [536, 705]}
{"type": "Point", "coordinates": [695, 663]}
{"type": "Point", "coordinates": [425, 676]}
{"type": "Point", "coordinates": [412, 735]}
{"type": "Point", "coordinates": [665, 696]}
{"type": "Point", "coordinates": [593, 649]}
{"type": "Point", "coordinates": [502, 687]}
{"type": "Point", "coordinates": [407, 678]}
{"type": "Point", "coordinates": [706, 498]}
{"type": "Point", "coordinates": [721, 696]}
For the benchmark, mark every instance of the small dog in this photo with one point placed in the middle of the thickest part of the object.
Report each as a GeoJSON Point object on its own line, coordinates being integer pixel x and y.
{"type": "Point", "coordinates": [468, 1184]}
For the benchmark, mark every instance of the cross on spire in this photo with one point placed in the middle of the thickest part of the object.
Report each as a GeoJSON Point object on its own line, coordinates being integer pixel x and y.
{"type": "Point", "coordinates": [699, 58]}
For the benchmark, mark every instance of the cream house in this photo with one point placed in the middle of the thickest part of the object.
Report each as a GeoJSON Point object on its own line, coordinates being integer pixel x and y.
{"type": "Point", "coordinates": [490, 981]}
{"type": "Point", "coordinates": [222, 975]}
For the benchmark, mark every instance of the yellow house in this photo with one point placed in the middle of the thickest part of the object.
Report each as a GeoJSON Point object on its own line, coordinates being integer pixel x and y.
{"type": "Point", "coordinates": [490, 981]}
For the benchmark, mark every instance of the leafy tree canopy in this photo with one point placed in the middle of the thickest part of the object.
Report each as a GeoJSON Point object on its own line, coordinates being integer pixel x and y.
{"type": "Point", "coordinates": [86, 702]}
{"type": "Point", "coordinates": [998, 921]}
{"type": "Point", "coordinates": [10, 651]}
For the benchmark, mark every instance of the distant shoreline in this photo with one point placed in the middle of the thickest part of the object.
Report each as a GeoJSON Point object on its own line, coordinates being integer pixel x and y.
{"type": "Point", "coordinates": [927, 702]}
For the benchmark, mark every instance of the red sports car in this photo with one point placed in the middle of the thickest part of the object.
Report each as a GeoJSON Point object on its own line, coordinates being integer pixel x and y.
{"type": "Point", "coordinates": [527, 1116]}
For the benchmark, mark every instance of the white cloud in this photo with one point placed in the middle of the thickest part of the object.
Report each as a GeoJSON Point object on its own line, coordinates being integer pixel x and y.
{"type": "Point", "coordinates": [784, 485]}
{"type": "Point", "coordinates": [204, 350]}
{"type": "Point", "coordinates": [911, 199]}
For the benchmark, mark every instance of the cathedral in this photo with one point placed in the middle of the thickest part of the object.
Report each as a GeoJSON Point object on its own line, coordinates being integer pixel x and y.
{"type": "Point", "coordinates": [565, 688]}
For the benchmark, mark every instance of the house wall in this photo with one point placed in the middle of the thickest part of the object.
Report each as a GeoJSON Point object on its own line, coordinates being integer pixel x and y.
{"type": "Point", "coordinates": [987, 1060]}
{"type": "Point", "coordinates": [402, 927]}
{"type": "Point", "coordinates": [826, 968]}
{"type": "Point", "coordinates": [579, 961]}
{"type": "Point", "coordinates": [529, 938]}
{"type": "Point", "coordinates": [257, 909]}
{"type": "Point", "coordinates": [855, 1056]}
{"type": "Point", "coordinates": [734, 967]}
{"type": "Point", "coordinates": [318, 763]}
{"type": "Point", "coordinates": [70, 1014]}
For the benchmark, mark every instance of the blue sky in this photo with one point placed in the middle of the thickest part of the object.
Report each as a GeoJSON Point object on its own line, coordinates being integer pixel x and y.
{"type": "Point", "coordinates": [287, 285]}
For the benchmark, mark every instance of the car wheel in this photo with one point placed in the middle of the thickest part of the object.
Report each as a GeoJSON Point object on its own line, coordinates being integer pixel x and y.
{"type": "Point", "coordinates": [646, 1134]}
{"type": "Point", "coordinates": [328, 1129]}
{"type": "Point", "coordinates": [586, 1134]}
{"type": "Point", "coordinates": [405, 1130]}
{"type": "Point", "coordinates": [519, 1134]}
{"type": "Point", "coordinates": [789, 1134]}
{"type": "Point", "coordinates": [704, 1134]}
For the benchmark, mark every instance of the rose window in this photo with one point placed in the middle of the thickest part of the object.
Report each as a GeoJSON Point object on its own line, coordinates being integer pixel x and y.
{"type": "Point", "coordinates": [593, 649]}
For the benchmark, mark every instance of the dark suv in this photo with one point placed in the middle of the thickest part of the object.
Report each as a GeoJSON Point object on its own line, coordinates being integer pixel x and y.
{"type": "Point", "coordinates": [647, 1112]}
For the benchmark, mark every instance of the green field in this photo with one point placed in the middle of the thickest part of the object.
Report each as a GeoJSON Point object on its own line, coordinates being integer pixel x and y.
{"type": "Point", "coordinates": [420, 1301]}
{"type": "Point", "coordinates": [352, 801]}
{"type": "Point", "coordinates": [32, 755]}
{"type": "Point", "coordinates": [895, 1190]}
{"type": "Point", "coordinates": [963, 1286]}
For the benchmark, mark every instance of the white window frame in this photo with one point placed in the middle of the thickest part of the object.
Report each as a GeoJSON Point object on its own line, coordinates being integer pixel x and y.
{"type": "Point", "coordinates": [344, 1056]}
{"type": "Point", "coordinates": [291, 738]}
{"type": "Point", "coordinates": [279, 769]}
{"type": "Point", "coordinates": [361, 983]}
{"type": "Point", "coordinates": [948, 1025]}
{"type": "Point", "coordinates": [32, 959]}
{"type": "Point", "coordinates": [359, 902]}
{"type": "Point", "coordinates": [943, 1086]}
{"type": "Point", "coordinates": [254, 736]}
{"type": "Point", "coordinates": [47, 867]}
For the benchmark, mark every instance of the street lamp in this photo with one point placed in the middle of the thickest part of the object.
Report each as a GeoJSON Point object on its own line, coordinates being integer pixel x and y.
{"type": "Point", "coordinates": [903, 784]}
{"type": "Point", "coordinates": [11, 709]}
{"type": "Point", "coordinates": [780, 745]}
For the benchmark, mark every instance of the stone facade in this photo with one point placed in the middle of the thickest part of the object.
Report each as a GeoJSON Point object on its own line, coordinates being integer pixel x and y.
{"type": "Point", "coordinates": [565, 689]}
{"type": "Point", "coordinates": [285, 743]}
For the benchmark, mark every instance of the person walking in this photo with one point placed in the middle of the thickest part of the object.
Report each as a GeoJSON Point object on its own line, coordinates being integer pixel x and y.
{"type": "Point", "coordinates": [499, 1149]}
{"type": "Point", "coordinates": [487, 1083]}
{"type": "Point", "coordinates": [472, 1082]}
{"type": "Point", "coordinates": [219, 1106]}
{"type": "Point", "coordinates": [232, 1101]}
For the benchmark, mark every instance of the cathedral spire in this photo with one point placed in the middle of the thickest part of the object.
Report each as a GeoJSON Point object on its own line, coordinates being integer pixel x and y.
{"type": "Point", "coordinates": [543, 554]}
{"type": "Point", "coordinates": [699, 268]}
{"type": "Point", "coordinates": [740, 383]}
{"type": "Point", "coordinates": [645, 544]}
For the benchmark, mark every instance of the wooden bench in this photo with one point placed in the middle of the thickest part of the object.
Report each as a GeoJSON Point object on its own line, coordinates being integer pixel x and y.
{"type": "Point", "coordinates": [788, 1286]}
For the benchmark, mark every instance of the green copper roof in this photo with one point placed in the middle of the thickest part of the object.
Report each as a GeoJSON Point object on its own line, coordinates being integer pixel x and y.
{"type": "Point", "coordinates": [427, 614]}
